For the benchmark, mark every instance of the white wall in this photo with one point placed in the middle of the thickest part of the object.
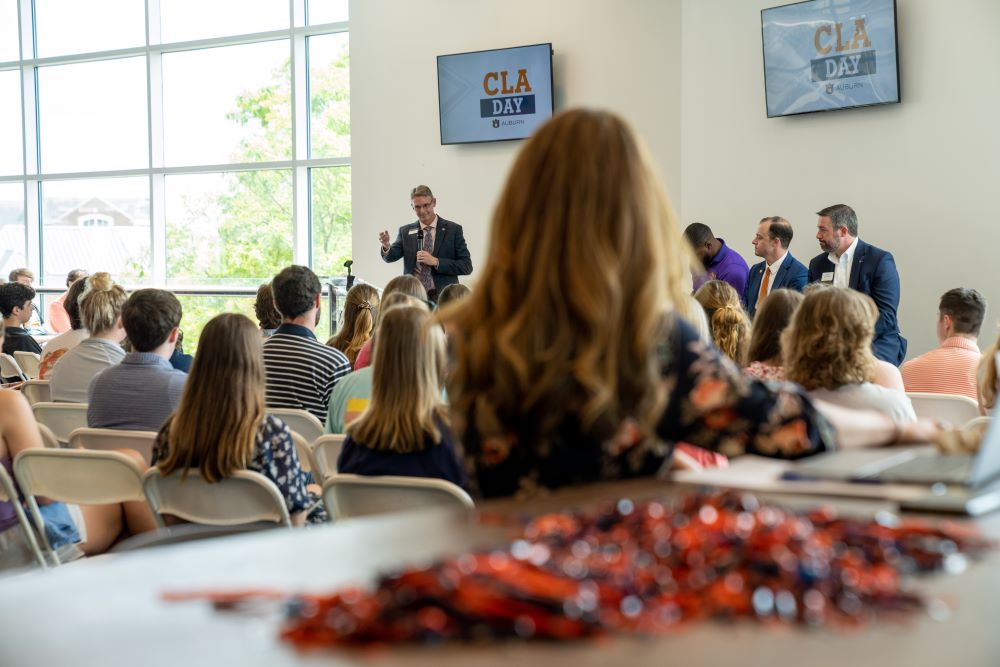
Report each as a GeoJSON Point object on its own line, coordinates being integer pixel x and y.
{"type": "Point", "coordinates": [623, 56]}
{"type": "Point", "coordinates": [922, 175]}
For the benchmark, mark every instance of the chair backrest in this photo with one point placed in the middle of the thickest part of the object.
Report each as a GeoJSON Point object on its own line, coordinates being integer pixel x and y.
{"type": "Point", "coordinates": [107, 439]}
{"type": "Point", "coordinates": [303, 450]}
{"type": "Point", "coordinates": [347, 496]}
{"type": "Point", "coordinates": [37, 391]}
{"type": "Point", "coordinates": [957, 410]}
{"type": "Point", "coordinates": [28, 361]}
{"type": "Point", "coordinates": [299, 421]}
{"type": "Point", "coordinates": [326, 451]}
{"type": "Point", "coordinates": [76, 476]}
{"type": "Point", "coordinates": [243, 498]}
{"type": "Point", "coordinates": [79, 476]}
{"type": "Point", "coordinates": [62, 418]}
{"type": "Point", "coordinates": [49, 438]}
{"type": "Point", "coordinates": [977, 425]}
{"type": "Point", "coordinates": [8, 493]}
{"type": "Point", "coordinates": [9, 368]}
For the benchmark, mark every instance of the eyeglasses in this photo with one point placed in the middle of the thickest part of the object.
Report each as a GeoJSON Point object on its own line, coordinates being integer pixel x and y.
{"type": "Point", "coordinates": [423, 207]}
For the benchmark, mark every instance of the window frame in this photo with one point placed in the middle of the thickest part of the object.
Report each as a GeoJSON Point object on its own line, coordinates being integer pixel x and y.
{"type": "Point", "coordinates": [156, 171]}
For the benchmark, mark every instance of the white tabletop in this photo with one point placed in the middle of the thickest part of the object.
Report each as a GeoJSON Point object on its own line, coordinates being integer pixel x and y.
{"type": "Point", "coordinates": [108, 611]}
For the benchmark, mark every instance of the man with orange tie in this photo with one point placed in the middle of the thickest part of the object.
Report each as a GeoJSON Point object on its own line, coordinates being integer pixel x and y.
{"type": "Point", "coordinates": [433, 249]}
{"type": "Point", "coordinates": [779, 268]}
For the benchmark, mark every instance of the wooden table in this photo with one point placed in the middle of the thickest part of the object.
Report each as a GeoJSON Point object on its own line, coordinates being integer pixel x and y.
{"type": "Point", "coordinates": [107, 611]}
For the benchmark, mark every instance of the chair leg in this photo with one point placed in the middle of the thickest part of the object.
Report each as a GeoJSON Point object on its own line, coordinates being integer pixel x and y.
{"type": "Point", "coordinates": [36, 515]}
{"type": "Point", "coordinates": [29, 535]}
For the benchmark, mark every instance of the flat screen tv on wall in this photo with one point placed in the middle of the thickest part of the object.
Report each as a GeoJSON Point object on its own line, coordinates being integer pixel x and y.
{"type": "Point", "coordinates": [823, 55]}
{"type": "Point", "coordinates": [495, 95]}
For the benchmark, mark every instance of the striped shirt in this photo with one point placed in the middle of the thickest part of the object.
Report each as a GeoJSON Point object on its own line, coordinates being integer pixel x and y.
{"type": "Point", "coordinates": [301, 371]}
{"type": "Point", "coordinates": [950, 369]}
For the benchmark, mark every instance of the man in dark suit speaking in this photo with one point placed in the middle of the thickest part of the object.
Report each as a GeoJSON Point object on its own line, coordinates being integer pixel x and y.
{"type": "Point", "coordinates": [847, 261]}
{"type": "Point", "coordinates": [433, 249]}
{"type": "Point", "coordinates": [779, 268]}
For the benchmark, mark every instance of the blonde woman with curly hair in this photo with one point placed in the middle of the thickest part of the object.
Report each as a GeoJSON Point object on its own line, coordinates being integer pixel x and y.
{"type": "Point", "coordinates": [360, 313]}
{"type": "Point", "coordinates": [727, 320]}
{"type": "Point", "coordinates": [100, 313]}
{"type": "Point", "coordinates": [570, 367]}
{"type": "Point", "coordinates": [828, 350]}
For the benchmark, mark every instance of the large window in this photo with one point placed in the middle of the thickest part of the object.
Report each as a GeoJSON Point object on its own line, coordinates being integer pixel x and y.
{"type": "Point", "coordinates": [93, 116]}
{"type": "Point", "coordinates": [243, 111]}
{"type": "Point", "coordinates": [101, 223]}
{"type": "Point", "coordinates": [198, 146]}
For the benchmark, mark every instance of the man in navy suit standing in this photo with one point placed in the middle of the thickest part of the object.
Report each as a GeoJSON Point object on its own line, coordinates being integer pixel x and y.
{"type": "Point", "coordinates": [779, 269]}
{"type": "Point", "coordinates": [433, 249]}
{"type": "Point", "coordinates": [847, 261]}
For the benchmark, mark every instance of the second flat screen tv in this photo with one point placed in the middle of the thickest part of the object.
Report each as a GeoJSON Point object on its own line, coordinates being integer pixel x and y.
{"type": "Point", "coordinates": [823, 55]}
{"type": "Point", "coordinates": [494, 95]}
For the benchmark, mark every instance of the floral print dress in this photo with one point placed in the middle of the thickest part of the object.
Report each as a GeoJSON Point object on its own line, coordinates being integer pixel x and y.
{"type": "Point", "coordinates": [275, 458]}
{"type": "Point", "coordinates": [711, 403]}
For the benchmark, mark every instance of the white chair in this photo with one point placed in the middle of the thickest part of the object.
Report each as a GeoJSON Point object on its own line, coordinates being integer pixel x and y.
{"type": "Point", "coordinates": [978, 425]}
{"type": "Point", "coordinates": [950, 408]}
{"type": "Point", "coordinates": [347, 496]}
{"type": "Point", "coordinates": [76, 476]}
{"type": "Point", "coordinates": [325, 452]}
{"type": "Point", "coordinates": [107, 439]}
{"type": "Point", "coordinates": [9, 368]}
{"type": "Point", "coordinates": [299, 421]}
{"type": "Point", "coordinates": [37, 391]}
{"type": "Point", "coordinates": [304, 451]}
{"type": "Point", "coordinates": [8, 493]}
{"type": "Point", "coordinates": [245, 497]}
{"type": "Point", "coordinates": [49, 438]}
{"type": "Point", "coordinates": [29, 362]}
{"type": "Point", "coordinates": [62, 418]}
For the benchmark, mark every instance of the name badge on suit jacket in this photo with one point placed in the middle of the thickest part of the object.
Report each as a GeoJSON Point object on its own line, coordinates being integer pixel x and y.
{"type": "Point", "coordinates": [413, 231]}
{"type": "Point", "coordinates": [827, 277]}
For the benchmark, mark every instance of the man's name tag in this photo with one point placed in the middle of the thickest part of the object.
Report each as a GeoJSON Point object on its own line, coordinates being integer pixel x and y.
{"type": "Point", "coordinates": [413, 231]}
{"type": "Point", "coordinates": [826, 277]}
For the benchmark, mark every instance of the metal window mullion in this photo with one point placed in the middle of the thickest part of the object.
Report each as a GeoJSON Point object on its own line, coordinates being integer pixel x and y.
{"type": "Point", "coordinates": [30, 142]}
{"type": "Point", "coordinates": [157, 180]}
{"type": "Point", "coordinates": [301, 247]}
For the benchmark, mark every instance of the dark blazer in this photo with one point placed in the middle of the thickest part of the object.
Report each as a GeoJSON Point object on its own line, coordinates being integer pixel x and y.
{"type": "Point", "coordinates": [792, 274]}
{"type": "Point", "coordinates": [873, 272]}
{"type": "Point", "coordinates": [449, 248]}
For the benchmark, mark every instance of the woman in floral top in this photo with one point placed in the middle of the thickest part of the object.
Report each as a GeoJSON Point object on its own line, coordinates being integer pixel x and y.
{"type": "Point", "coordinates": [568, 366]}
{"type": "Point", "coordinates": [220, 426]}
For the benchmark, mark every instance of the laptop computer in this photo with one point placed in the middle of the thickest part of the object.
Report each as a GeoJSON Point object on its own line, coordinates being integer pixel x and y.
{"type": "Point", "coordinates": [963, 483]}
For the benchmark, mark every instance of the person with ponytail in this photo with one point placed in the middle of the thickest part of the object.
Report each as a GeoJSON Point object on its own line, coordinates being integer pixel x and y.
{"type": "Point", "coordinates": [727, 320]}
{"type": "Point", "coordinates": [220, 425]}
{"type": "Point", "coordinates": [360, 312]}
{"type": "Point", "coordinates": [100, 312]}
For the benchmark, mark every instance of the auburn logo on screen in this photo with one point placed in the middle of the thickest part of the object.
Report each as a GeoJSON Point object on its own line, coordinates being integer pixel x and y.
{"type": "Point", "coordinates": [505, 98]}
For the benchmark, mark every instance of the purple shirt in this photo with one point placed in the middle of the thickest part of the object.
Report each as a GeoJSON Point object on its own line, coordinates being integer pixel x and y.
{"type": "Point", "coordinates": [727, 265]}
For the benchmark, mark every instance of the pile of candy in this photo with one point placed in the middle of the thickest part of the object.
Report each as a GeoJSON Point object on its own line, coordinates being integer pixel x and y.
{"type": "Point", "coordinates": [646, 568]}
